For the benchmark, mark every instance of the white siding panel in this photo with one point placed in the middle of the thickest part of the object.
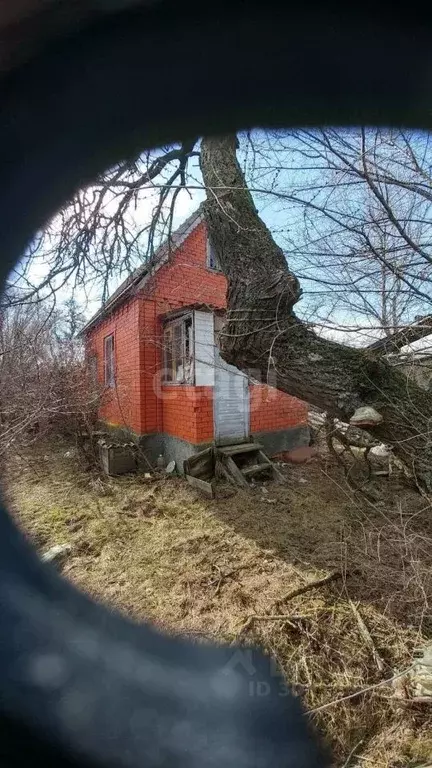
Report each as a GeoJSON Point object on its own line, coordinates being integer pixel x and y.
{"type": "Point", "coordinates": [231, 402]}
{"type": "Point", "coordinates": [204, 349]}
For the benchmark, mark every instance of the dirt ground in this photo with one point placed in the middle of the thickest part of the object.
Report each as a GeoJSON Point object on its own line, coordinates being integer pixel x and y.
{"type": "Point", "coordinates": [224, 569]}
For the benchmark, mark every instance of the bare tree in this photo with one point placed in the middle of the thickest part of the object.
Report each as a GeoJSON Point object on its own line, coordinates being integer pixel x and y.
{"type": "Point", "coordinates": [45, 387]}
{"type": "Point", "coordinates": [358, 220]}
{"type": "Point", "coordinates": [71, 319]}
{"type": "Point", "coordinates": [97, 235]}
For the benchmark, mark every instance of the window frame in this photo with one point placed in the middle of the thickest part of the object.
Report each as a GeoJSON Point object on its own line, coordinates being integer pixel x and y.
{"type": "Point", "coordinates": [211, 250]}
{"type": "Point", "coordinates": [171, 360]}
{"type": "Point", "coordinates": [109, 378]}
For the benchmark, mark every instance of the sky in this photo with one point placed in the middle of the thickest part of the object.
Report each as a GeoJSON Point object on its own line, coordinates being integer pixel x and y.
{"type": "Point", "coordinates": [285, 219]}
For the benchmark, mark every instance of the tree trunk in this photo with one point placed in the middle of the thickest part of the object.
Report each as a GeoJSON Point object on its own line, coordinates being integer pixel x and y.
{"type": "Point", "coordinates": [263, 333]}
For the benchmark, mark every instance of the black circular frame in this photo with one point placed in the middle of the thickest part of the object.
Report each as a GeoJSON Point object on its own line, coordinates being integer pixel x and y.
{"type": "Point", "coordinates": [79, 685]}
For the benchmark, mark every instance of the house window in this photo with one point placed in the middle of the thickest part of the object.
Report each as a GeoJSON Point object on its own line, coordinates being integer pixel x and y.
{"type": "Point", "coordinates": [178, 351]}
{"type": "Point", "coordinates": [109, 361]}
{"type": "Point", "coordinates": [212, 259]}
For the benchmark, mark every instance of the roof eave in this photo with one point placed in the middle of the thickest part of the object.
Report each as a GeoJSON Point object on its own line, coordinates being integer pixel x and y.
{"type": "Point", "coordinates": [160, 257]}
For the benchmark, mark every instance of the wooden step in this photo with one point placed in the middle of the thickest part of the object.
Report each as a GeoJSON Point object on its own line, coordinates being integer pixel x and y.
{"type": "Point", "coordinates": [255, 469]}
{"type": "Point", "coordinates": [228, 455]}
{"type": "Point", "coordinates": [231, 450]}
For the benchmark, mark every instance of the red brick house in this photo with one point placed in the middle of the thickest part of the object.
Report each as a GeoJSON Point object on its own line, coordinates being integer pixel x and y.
{"type": "Point", "coordinates": [153, 347]}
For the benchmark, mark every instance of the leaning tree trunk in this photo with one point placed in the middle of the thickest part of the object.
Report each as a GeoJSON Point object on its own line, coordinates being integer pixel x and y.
{"type": "Point", "coordinates": [262, 332]}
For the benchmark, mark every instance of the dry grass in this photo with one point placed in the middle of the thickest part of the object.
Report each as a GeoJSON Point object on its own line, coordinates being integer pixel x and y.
{"type": "Point", "coordinates": [158, 551]}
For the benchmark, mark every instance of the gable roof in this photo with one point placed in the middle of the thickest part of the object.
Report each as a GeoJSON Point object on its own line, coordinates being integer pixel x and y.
{"type": "Point", "coordinates": [133, 281]}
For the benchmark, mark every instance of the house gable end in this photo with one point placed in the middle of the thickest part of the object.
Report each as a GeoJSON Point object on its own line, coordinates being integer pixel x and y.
{"type": "Point", "coordinates": [184, 278]}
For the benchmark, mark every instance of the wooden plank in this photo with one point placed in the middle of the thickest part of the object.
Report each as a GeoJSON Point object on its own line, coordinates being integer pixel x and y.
{"type": "Point", "coordinates": [235, 472]}
{"type": "Point", "coordinates": [201, 485]}
{"type": "Point", "coordinates": [231, 450]}
{"type": "Point", "coordinates": [221, 471]}
{"type": "Point", "coordinates": [255, 469]}
{"type": "Point", "coordinates": [277, 475]}
{"type": "Point", "coordinates": [264, 458]}
{"type": "Point", "coordinates": [225, 441]}
{"type": "Point", "coordinates": [200, 464]}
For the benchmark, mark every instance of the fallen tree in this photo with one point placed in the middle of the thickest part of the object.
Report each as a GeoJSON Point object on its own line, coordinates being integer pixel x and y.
{"type": "Point", "coordinates": [263, 332]}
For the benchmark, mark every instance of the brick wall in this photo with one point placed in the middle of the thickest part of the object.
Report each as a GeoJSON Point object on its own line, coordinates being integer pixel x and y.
{"type": "Point", "coordinates": [184, 412]}
{"type": "Point", "coordinates": [188, 413]}
{"type": "Point", "coordinates": [122, 403]}
{"type": "Point", "coordinates": [185, 279]}
{"type": "Point", "coordinates": [149, 332]}
{"type": "Point", "coordinates": [271, 409]}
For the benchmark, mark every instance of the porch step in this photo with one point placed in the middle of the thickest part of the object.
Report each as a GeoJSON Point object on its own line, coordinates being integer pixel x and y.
{"type": "Point", "coordinates": [231, 450]}
{"type": "Point", "coordinates": [240, 463]}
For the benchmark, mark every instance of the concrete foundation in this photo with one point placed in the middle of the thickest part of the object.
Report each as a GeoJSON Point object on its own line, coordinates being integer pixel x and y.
{"type": "Point", "coordinates": [118, 459]}
{"type": "Point", "coordinates": [171, 448]}
{"type": "Point", "coordinates": [283, 439]}
{"type": "Point", "coordinates": [174, 449]}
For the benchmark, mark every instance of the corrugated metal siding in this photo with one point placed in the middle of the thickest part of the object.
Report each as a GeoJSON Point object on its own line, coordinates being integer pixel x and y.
{"type": "Point", "coordinates": [204, 349]}
{"type": "Point", "coordinates": [231, 402]}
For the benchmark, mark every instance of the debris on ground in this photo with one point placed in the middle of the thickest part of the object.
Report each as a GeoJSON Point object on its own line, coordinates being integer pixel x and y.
{"type": "Point", "coordinates": [201, 485]}
{"type": "Point", "coordinates": [336, 588]}
{"type": "Point", "coordinates": [421, 676]}
{"type": "Point", "coordinates": [118, 458]}
{"type": "Point", "coordinates": [299, 455]}
{"type": "Point", "coordinates": [56, 554]}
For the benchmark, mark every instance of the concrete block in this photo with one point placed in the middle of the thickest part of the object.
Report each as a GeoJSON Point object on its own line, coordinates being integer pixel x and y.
{"type": "Point", "coordinates": [118, 459]}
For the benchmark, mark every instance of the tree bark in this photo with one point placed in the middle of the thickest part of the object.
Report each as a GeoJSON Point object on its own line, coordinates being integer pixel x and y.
{"type": "Point", "coordinates": [263, 333]}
